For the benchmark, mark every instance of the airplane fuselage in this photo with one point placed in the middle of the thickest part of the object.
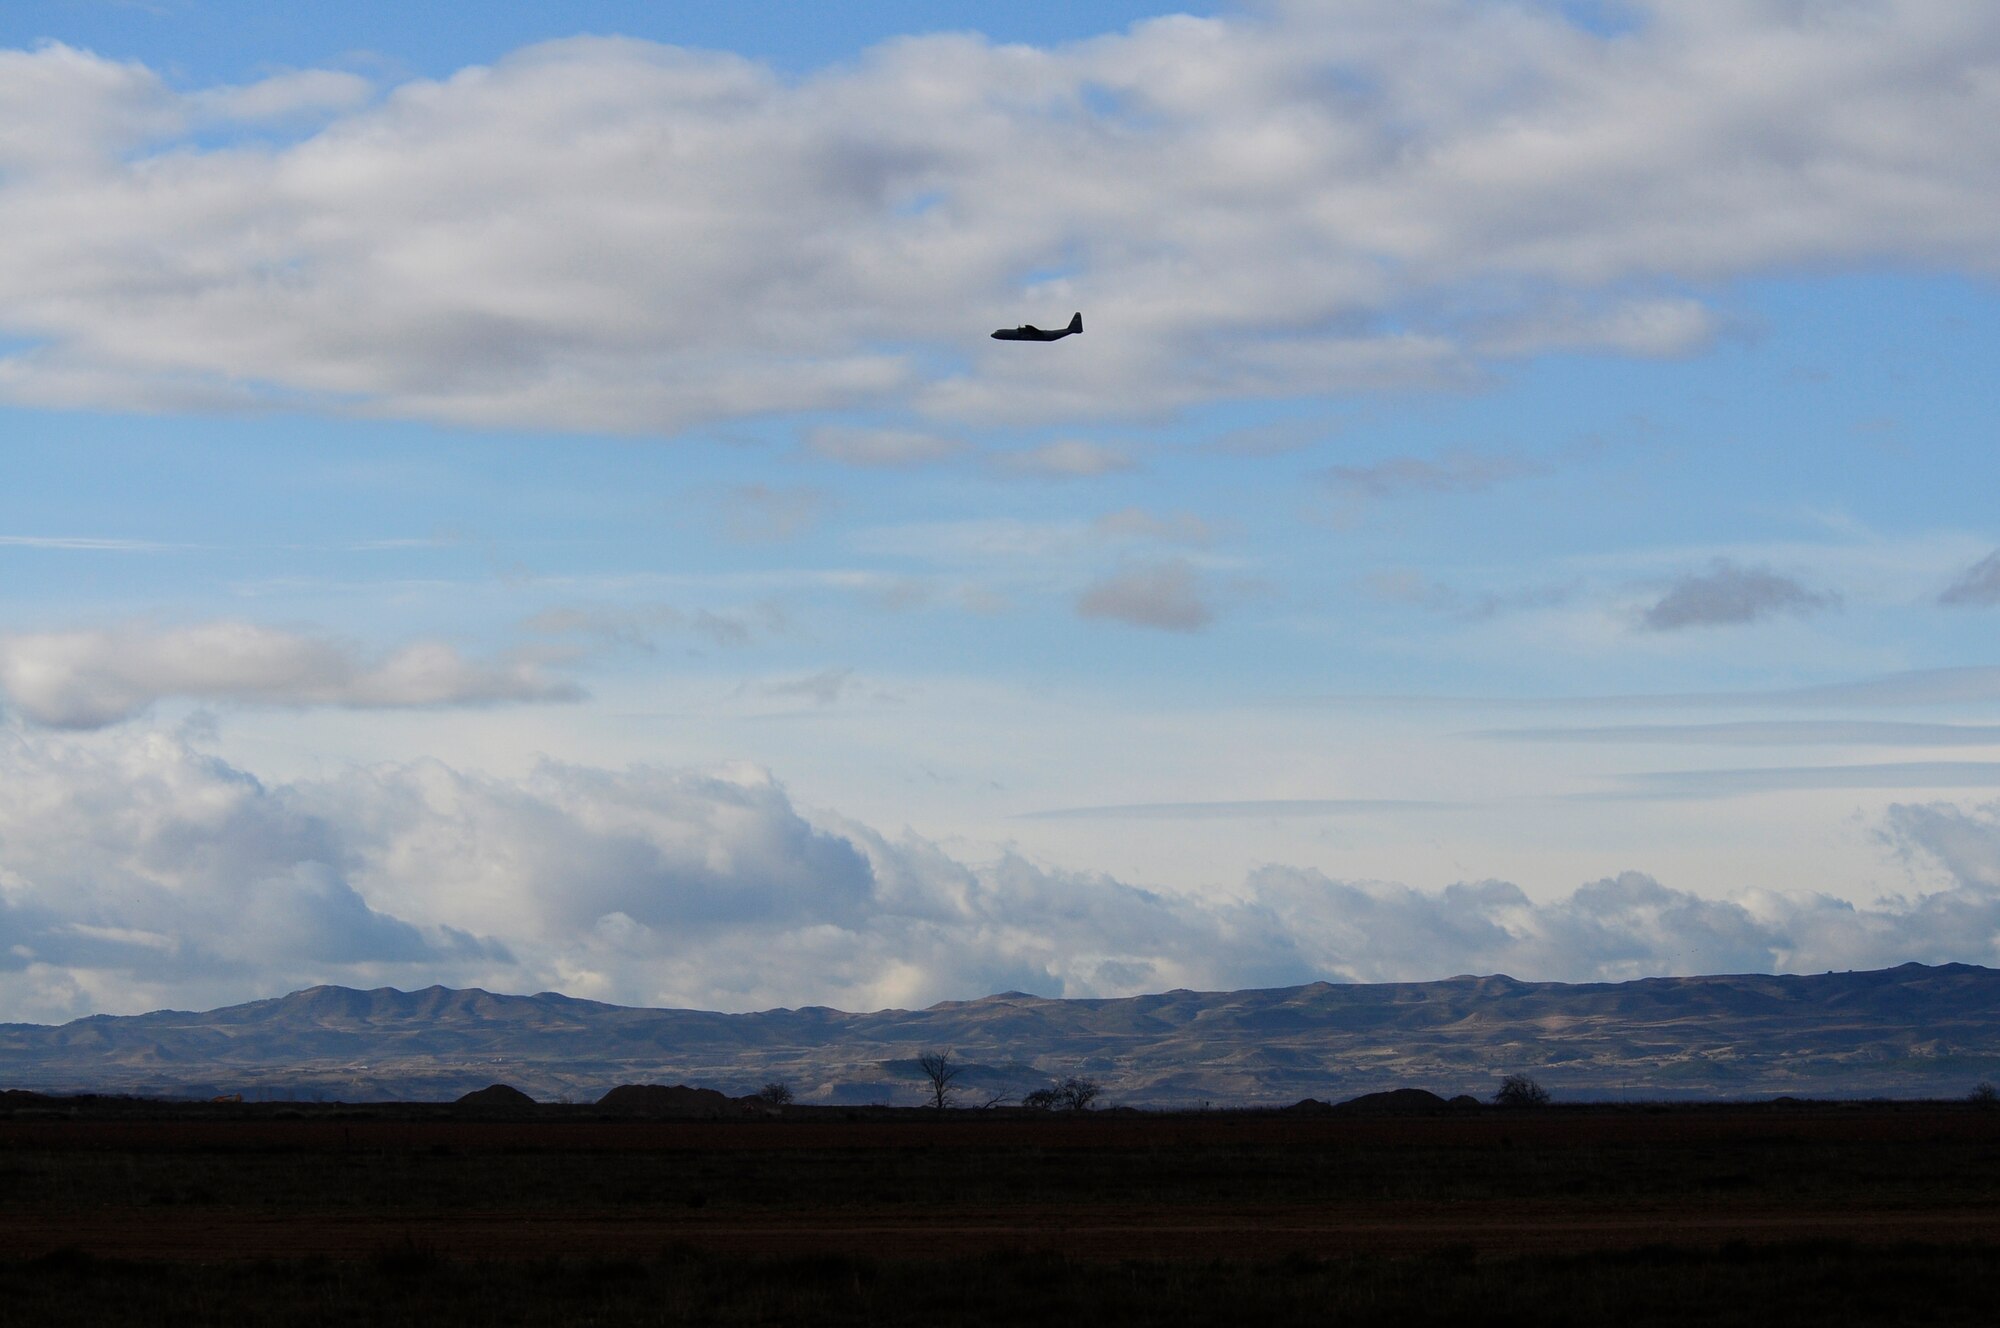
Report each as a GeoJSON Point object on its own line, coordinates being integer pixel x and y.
{"type": "Point", "coordinates": [1029, 332]}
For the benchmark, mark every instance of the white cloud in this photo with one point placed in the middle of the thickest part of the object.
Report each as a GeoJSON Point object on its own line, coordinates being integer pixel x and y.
{"type": "Point", "coordinates": [609, 234]}
{"type": "Point", "coordinates": [137, 872]}
{"type": "Point", "coordinates": [88, 679]}
{"type": "Point", "coordinates": [1647, 328]}
{"type": "Point", "coordinates": [286, 96]}
{"type": "Point", "coordinates": [64, 108]}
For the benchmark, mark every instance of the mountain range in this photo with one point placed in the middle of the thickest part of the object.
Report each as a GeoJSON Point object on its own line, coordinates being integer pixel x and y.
{"type": "Point", "coordinates": [1913, 1031]}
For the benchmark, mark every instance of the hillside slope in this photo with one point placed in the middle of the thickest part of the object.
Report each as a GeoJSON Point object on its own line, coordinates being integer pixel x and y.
{"type": "Point", "coordinates": [1904, 1032]}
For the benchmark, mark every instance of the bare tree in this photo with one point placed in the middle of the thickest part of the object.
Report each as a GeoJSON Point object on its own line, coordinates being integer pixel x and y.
{"type": "Point", "coordinates": [1518, 1090]}
{"type": "Point", "coordinates": [777, 1093]}
{"type": "Point", "coordinates": [943, 1076]}
{"type": "Point", "coordinates": [1985, 1095]}
{"type": "Point", "coordinates": [1071, 1094]}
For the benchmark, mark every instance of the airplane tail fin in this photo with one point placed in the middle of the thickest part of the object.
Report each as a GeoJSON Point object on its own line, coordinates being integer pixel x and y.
{"type": "Point", "coordinates": [1076, 322]}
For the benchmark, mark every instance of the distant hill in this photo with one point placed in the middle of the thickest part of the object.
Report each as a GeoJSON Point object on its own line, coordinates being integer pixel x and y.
{"type": "Point", "coordinates": [1913, 1031]}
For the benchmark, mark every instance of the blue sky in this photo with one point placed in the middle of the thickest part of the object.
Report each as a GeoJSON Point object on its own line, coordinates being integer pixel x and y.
{"type": "Point", "coordinates": [491, 504]}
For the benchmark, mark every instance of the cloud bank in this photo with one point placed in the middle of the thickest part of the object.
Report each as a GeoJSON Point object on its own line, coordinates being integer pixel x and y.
{"type": "Point", "coordinates": [604, 234]}
{"type": "Point", "coordinates": [137, 872]}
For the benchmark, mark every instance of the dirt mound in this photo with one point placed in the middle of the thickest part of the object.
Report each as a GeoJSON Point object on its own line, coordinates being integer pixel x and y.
{"type": "Point", "coordinates": [666, 1100]}
{"type": "Point", "coordinates": [1397, 1102]}
{"type": "Point", "coordinates": [496, 1097]}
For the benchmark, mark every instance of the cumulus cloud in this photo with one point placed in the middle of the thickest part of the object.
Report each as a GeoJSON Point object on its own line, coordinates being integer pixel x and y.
{"type": "Point", "coordinates": [136, 872]}
{"type": "Point", "coordinates": [88, 679]}
{"type": "Point", "coordinates": [1166, 595]}
{"type": "Point", "coordinates": [610, 234]}
{"type": "Point", "coordinates": [1728, 593]}
{"type": "Point", "coordinates": [286, 96]}
{"type": "Point", "coordinates": [1979, 586]}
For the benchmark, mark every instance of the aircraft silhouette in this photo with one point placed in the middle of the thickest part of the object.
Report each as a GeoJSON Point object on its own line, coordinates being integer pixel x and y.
{"type": "Point", "coordinates": [1029, 332]}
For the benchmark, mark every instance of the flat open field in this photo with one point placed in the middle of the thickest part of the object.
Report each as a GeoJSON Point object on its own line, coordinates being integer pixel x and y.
{"type": "Point", "coordinates": [1493, 1203]}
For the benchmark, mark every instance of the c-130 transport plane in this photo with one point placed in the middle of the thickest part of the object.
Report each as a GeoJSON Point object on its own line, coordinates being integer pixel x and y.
{"type": "Point", "coordinates": [1029, 332]}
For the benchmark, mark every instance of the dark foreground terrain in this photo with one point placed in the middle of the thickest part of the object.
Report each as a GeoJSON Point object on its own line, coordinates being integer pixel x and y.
{"type": "Point", "coordinates": [1752, 1213]}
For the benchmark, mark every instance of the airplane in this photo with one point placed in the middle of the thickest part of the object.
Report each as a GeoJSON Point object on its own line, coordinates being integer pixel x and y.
{"type": "Point", "coordinates": [1029, 332]}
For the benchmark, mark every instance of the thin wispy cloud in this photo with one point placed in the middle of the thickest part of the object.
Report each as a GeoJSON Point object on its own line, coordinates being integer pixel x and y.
{"type": "Point", "coordinates": [1248, 809]}
{"type": "Point", "coordinates": [1066, 459]}
{"type": "Point", "coordinates": [1404, 477]}
{"type": "Point", "coordinates": [1765, 733]}
{"type": "Point", "coordinates": [1778, 779]}
{"type": "Point", "coordinates": [1137, 523]}
{"type": "Point", "coordinates": [825, 688]}
{"type": "Point", "coordinates": [1413, 588]}
{"type": "Point", "coordinates": [882, 448]}
{"type": "Point", "coordinates": [1971, 685]}
{"type": "Point", "coordinates": [91, 544]}
{"type": "Point", "coordinates": [772, 514]}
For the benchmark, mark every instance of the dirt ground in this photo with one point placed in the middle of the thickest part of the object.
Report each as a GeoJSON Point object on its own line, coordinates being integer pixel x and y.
{"type": "Point", "coordinates": [1106, 1232]}
{"type": "Point", "coordinates": [1212, 1186]}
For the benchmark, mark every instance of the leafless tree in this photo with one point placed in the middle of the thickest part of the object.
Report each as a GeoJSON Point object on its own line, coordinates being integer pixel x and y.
{"type": "Point", "coordinates": [1518, 1090]}
{"type": "Point", "coordinates": [943, 1076]}
{"type": "Point", "coordinates": [1985, 1095]}
{"type": "Point", "coordinates": [777, 1093]}
{"type": "Point", "coordinates": [1071, 1094]}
